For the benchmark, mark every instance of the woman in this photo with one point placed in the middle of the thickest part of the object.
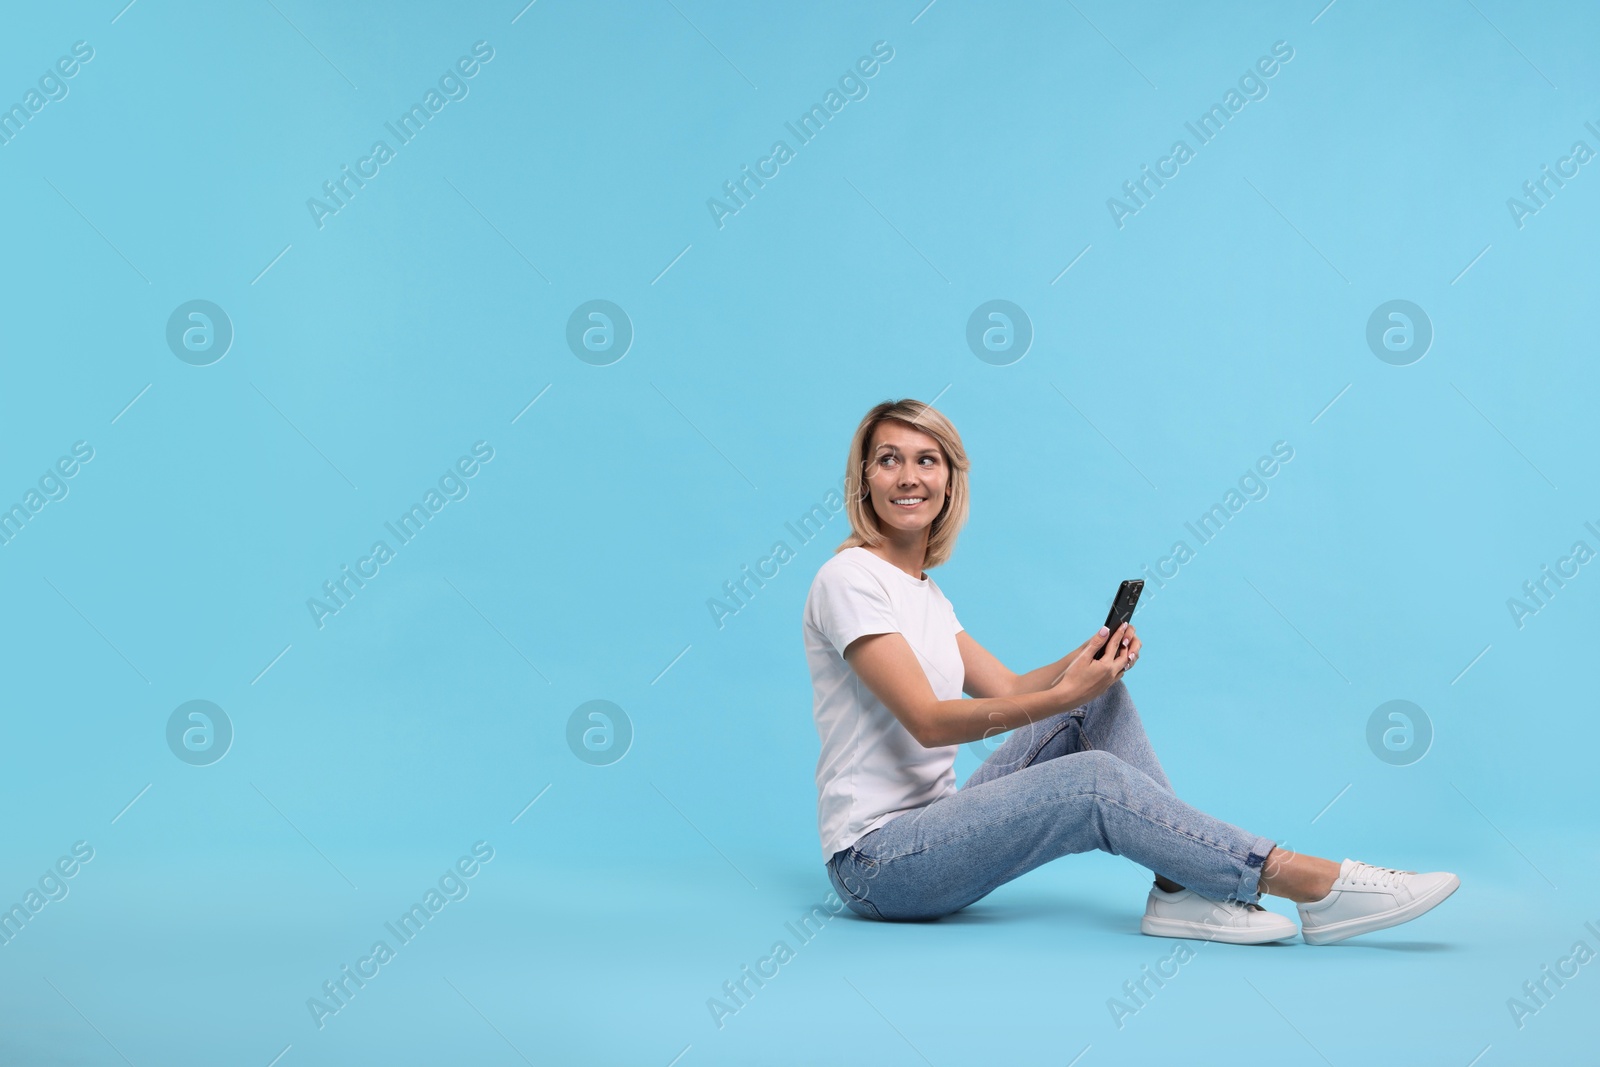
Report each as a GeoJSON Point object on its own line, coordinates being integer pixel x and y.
{"type": "Point", "coordinates": [889, 662]}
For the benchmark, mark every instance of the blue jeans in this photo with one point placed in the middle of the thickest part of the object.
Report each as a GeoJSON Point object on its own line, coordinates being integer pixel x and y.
{"type": "Point", "coordinates": [1080, 780]}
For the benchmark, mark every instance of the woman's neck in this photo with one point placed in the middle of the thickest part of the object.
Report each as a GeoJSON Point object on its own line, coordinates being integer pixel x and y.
{"type": "Point", "coordinates": [908, 554]}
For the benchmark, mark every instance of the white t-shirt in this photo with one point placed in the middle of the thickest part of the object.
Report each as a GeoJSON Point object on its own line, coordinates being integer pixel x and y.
{"type": "Point", "coordinates": [871, 768]}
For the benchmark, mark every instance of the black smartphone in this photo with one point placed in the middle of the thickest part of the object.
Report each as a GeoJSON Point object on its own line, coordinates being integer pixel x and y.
{"type": "Point", "coordinates": [1121, 609]}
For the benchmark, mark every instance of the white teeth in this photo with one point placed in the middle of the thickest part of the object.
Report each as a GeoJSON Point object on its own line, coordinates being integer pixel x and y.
{"type": "Point", "coordinates": [910, 500]}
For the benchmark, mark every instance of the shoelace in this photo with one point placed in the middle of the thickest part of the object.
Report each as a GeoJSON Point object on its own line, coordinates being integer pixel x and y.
{"type": "Point", "coordinates": [1367, 874]}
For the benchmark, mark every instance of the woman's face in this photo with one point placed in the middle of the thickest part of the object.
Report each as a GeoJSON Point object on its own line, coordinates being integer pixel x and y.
{"type": "Point", "coordinates": [906, 475]}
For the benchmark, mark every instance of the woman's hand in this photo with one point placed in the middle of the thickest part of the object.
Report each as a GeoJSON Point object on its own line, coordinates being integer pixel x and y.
{"type": "Point", "coordinates": [1086, 677]}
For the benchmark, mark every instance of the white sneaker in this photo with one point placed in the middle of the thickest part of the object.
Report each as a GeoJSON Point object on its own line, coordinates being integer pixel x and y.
{"type": "Point", "coordinates": [1188, 914]}
{"type": "Point", "coordinates": [1366, 898]}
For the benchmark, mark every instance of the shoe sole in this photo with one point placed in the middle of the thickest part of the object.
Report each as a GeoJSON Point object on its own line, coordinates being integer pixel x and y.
{"type": "Point", "coordinates": [1366, 924]}
{"type": "Point", "coordinates": [1157, 927]}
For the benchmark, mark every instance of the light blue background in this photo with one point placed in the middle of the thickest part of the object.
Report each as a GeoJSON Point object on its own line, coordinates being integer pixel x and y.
{"type": "Point", "coordinates": [430, 311]}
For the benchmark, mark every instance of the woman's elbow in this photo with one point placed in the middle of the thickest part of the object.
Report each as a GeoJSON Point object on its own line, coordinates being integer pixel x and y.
{"type": "Point", "coordinates": [929, 732]}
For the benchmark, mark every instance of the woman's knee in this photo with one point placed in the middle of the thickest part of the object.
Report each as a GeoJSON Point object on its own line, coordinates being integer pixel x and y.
{"type": "Point", "coordinates": [1102, 774]}
{"type": "Point", "coordinates": [1099, 762]}
{"type": "Point", "coordinates": [1115, 699]}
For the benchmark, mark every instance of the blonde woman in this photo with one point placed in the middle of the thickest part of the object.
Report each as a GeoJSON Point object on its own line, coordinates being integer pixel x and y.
{"type": "Point", "coordinates": [889, 664]}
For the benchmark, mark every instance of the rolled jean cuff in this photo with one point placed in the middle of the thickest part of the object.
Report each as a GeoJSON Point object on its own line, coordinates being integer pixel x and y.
{"type": "Point", "coordinates": [1248, 889]}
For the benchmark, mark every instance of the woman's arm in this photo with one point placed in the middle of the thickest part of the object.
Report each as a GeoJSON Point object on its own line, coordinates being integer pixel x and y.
{"type": "Point", "coordinates": [886, 663]}
{"type": "Point", "coordinates": [986, 676]}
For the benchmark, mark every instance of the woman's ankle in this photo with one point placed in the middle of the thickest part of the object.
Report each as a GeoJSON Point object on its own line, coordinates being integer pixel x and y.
{"type": "Point", "coordinates": [1297, 877]}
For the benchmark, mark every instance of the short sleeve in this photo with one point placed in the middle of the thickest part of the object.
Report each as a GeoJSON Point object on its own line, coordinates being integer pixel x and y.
{"type": "Point", "coordinates": [955, 623]}
{"type": "Point", "coordinates": [847, 603]}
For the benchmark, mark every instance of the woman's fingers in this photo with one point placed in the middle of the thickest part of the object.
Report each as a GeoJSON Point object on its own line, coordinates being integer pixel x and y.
{"type": "Point", "coordinates": [1120, 661]}
{"type": "Point", "coordinates": [1113, 645]}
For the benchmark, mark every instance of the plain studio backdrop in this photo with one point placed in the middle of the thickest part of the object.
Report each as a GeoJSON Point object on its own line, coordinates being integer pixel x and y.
{"type": "Point", "coordinates": [531, 296]}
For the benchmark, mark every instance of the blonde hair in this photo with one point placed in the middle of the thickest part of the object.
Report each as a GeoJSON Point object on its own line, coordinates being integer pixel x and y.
{"type": "Point", "coordinates": [864, 527]}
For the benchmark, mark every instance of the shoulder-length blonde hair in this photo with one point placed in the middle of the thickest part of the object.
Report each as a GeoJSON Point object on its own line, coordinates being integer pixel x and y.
{"type": "Point", "coordinates": [864, 528]}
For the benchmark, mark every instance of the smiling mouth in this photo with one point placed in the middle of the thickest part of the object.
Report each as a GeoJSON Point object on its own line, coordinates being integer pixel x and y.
{"type": "Point", "coordinates": [907, 502]}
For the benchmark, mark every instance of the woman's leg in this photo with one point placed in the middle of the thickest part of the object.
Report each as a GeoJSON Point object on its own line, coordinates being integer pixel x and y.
{"type": "Point", "coordinates": [1112, 725]}
{"type": "Point", "coordinates": [942, 857]}
{"type": "Point", "coordinates": [1109, 723]}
